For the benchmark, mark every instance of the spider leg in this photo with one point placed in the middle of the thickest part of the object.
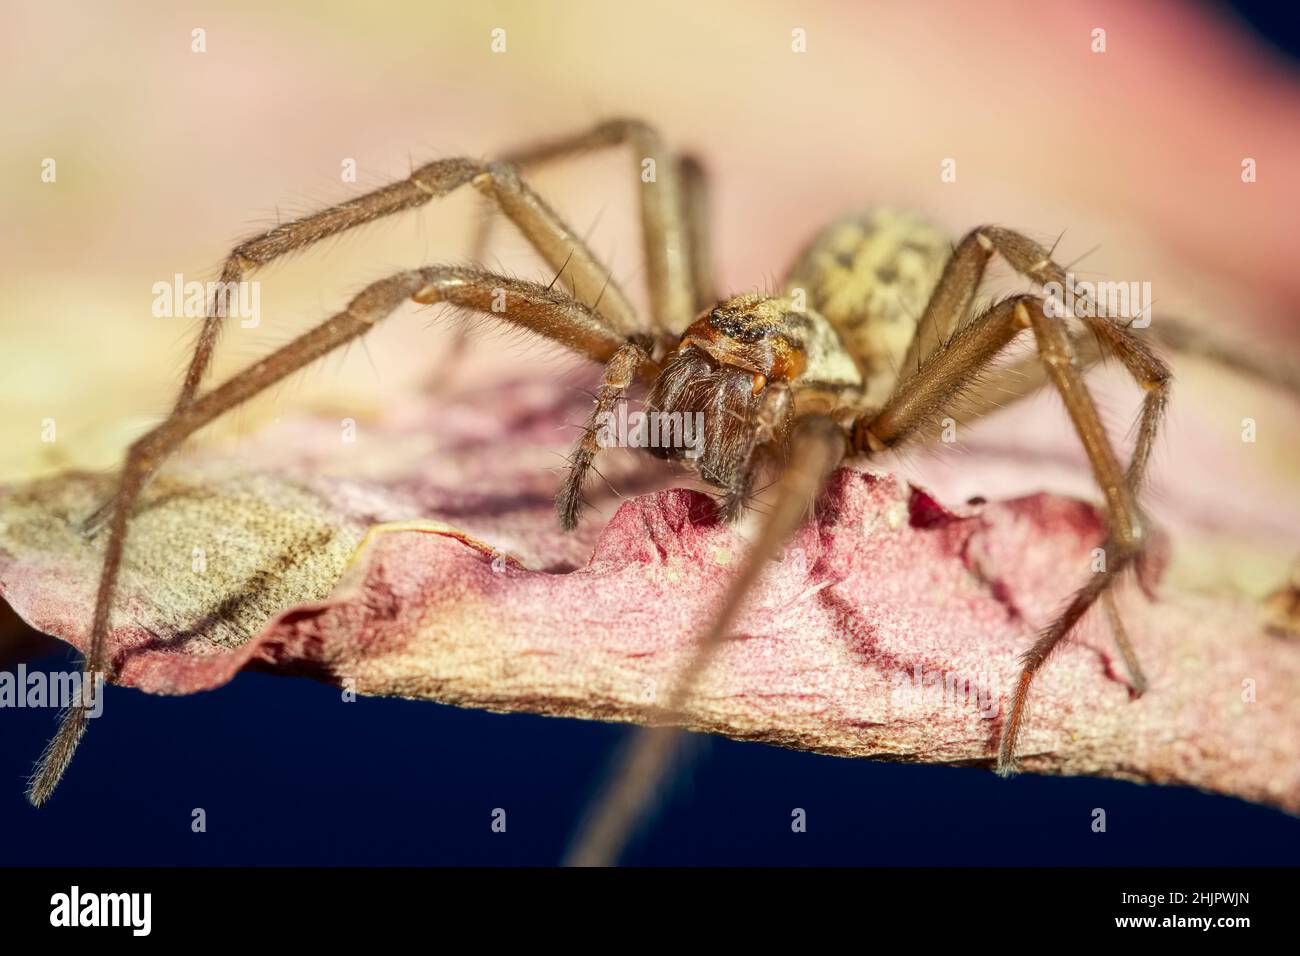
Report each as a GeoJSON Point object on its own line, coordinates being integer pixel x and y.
{"type": "Point", "coordinates": [956, 290]}
{"type": "Point", "coordinates": [1111, 338]}
{"type": "Point", "coordinates": [534, 307]}
{"type": "Point", "coordinates": [817, 445]}
{"type": "Point", "coordinates": [586, 278]}
{"type": "Point", "coordinates": [1137, 679]}
{"type": "Point", "coordinates": [1151, 373]}
{"type": "Point", "coordinates": [1019, 381]}
{"type": "Point", "coordinates": [559, 245]}
{"type": "Point", "coordinates": [673, 215]}
{"type": "Point", "coordinates": [1173, 335]}
{"type": "Point", "coordinates": [951, 367]}
{"type": "Point", "coordinates": [950, 302]}
{"type": "Point", "coordinates": [679, 266]}
{"type": "Point", "coordinates": [619, 372]}
{"type": "Point", "coordinates": [433, 180]}
{"type": "Point", "coordinates": [1015, 382]}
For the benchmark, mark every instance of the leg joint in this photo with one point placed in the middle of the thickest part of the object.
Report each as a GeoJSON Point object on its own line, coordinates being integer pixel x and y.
{"type": "Point", "coordinates": [443, 175]}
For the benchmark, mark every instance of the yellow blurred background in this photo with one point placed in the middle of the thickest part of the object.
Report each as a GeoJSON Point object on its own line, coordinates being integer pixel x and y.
{"type": "Point", "coordinates": [166, 156]}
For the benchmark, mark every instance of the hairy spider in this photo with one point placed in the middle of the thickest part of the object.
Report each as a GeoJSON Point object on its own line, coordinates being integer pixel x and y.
{"type": "Point", "coordinates": [873, 333]}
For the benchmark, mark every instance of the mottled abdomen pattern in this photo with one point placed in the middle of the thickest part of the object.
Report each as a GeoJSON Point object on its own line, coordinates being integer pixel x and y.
{"type": "Point", "coordinates": [871, 274]}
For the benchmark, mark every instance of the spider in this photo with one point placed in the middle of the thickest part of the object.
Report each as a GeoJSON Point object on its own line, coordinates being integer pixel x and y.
{"type": "Point", "coordinates": [873, 334]}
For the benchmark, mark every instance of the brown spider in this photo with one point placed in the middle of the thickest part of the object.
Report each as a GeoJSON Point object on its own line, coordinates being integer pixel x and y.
{"type": "Point", "coordinates": [793, 382]}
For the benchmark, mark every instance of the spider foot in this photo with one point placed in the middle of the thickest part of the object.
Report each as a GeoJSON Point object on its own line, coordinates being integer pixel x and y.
{"type": "Point", "coordinates": [1006, 766]}
{"type": "Point", "coordinates": [90, 526]}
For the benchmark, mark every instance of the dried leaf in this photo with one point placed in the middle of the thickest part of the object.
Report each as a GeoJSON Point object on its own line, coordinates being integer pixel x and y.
{"type": "Point", "coordinates": [423, 561]}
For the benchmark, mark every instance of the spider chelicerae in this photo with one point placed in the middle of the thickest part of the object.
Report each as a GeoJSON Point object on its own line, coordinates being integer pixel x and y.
{"type": "Point", "coordinates": [874, 334]}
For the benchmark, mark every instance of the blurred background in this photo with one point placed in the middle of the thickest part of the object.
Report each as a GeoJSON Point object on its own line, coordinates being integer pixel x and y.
{"type": "Point", "coordinates": [165, 156]}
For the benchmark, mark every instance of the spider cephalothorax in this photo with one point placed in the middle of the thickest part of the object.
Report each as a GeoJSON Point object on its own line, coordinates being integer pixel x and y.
{"type": "Point", "coordinates": [734, 367]}
{"type": "Point", "coordinates": [875, 331]}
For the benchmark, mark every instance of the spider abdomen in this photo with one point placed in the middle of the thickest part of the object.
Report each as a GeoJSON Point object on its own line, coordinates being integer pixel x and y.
{"type": "Point", "coordinates": [871, 274]}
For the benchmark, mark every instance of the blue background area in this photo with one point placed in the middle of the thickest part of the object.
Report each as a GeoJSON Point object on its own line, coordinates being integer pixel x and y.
{"type": "Point", "coordinates": [288, 773]}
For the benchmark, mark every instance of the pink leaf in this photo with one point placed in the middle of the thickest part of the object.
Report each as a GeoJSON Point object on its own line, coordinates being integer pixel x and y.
{"type": "Point", "coordinates": [424, 561]}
